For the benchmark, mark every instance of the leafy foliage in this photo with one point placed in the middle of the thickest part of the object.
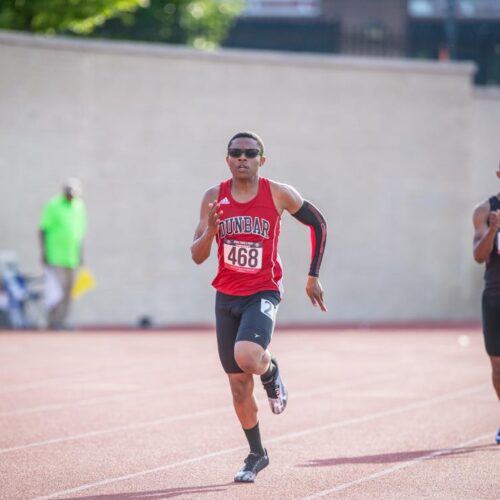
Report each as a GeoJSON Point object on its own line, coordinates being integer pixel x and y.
{"type": "Point", "coordinates": [201, 23]}
{"type": "Point", "coordinates": [52, 16]}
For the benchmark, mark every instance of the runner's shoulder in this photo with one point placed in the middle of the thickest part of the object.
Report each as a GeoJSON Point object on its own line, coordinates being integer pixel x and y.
{"type": "Point", "coordinates": [482, 207]}
{"type": "Point", "coordinates": [211, 194]}
{"type": "Point", "coordinates": [280, 189]}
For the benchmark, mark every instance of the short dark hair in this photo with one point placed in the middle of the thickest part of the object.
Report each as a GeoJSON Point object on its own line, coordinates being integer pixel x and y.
{"type": "Point", "coordinates": [249, 135]}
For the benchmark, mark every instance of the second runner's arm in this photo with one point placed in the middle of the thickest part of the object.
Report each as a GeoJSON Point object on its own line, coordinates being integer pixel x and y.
{"type": "Point", "coordinates": [486, 225]}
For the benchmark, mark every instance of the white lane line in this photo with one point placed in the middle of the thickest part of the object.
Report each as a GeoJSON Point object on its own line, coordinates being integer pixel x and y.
{"type": "Point", "coordinates": [105, 399]}
{"type": "Point", "coordinates": [139, 394]}
{"type": "Point", "coordinates": [397, 467]}
{"type": "Point", "coordinates": [159, 421]}
{"type": "Point", "coordinates": [142, 473]}
{"type": "Point", "coordinates": [291, 435]}
{"type": "Point", "coordinates": [115, 370]}
{"type": "Point", "coordinates": [77, 377]}
{"type": "Point", "coordinates": [385, 413]}
{"type": "Point", "coordinates": [186, 416]}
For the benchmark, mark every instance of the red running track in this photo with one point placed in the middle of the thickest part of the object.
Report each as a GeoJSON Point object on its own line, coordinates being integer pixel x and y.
{"type": "Point", "coordinates": [372, 414]}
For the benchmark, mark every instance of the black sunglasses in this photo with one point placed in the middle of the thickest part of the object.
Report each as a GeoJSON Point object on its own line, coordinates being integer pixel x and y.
{"type": "Point", "coordinates": [249, 153]}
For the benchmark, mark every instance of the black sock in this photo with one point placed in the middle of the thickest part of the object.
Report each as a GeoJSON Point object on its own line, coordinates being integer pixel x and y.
{"type": "Point", "coordinates": [269, 373]}
{"type": "Point", "coordinates": [253, 438]}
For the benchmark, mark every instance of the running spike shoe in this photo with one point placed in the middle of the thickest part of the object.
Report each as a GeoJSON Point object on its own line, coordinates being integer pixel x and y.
{"type": "Point", "coordinates": [276, 390]}
{"type": "Point", "coordinates": [253, 464]}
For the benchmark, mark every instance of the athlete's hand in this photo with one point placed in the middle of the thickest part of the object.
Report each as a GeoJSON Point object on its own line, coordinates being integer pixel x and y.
{"type": "Point", "coordinates": [494, 220]}
{"type": "Point", "coordinates": [214, 214]}
{"type": "Point", "coordinates": [315, 292]}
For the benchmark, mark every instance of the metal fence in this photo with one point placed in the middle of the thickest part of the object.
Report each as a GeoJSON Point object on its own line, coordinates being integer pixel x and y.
{"type": "Point", "coordinates": [475, 41]}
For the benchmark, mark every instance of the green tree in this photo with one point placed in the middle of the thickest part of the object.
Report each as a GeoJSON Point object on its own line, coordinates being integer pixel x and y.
{"type": "Point", "coordinates": [52, 16]}
{"type": "Point", "coordinates": [201, 23]}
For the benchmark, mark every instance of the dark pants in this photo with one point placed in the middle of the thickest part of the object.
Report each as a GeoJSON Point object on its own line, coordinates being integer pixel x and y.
{"type": "Point", "coordinates": [250, 318]}
{"type": "Point", "coordinates": [491, 324]}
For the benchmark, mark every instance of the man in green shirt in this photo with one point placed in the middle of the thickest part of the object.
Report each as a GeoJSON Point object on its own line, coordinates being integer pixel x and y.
{"type": "Point", "coordinates": [62, 229]}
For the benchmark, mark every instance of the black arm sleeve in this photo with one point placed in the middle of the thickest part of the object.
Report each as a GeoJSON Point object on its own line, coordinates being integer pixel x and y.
{"type": "Point", "coordinates": [309, 215]}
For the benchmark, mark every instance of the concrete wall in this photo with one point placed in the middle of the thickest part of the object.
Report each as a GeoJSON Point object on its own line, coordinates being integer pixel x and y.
{"type": "Point", "coordinates": [394, 153]}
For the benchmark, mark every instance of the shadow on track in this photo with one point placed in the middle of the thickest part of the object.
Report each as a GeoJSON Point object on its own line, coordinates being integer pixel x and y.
{"type": "Point", "coordinates": [400, 456]}
{"type": "Point", "coordinates": [157, 494]}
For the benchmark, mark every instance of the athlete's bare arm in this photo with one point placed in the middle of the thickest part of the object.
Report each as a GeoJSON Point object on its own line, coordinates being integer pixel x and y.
{"type": "Point", "coordinates": [287, 198]}
{"type": "Point", "coordinates": [484, 234]}
{"type": "Point", "coordinates": [208, 226]}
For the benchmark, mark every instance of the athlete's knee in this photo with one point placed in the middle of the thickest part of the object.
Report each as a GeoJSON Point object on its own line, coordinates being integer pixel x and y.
{"type": "Point", "coordinates": [248, 362]}
{"type": "Point", "coordinates": [248, 356]}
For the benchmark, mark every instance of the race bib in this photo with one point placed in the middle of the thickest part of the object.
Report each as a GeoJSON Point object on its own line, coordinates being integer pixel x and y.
{"type": "Point", "coordinates": [243, 256]}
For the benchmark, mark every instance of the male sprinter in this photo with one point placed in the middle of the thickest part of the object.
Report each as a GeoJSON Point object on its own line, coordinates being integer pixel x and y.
{"type": "Point", "coordinates": [486, 220]}
{"type": "Point", "coordinates": [243, 214]}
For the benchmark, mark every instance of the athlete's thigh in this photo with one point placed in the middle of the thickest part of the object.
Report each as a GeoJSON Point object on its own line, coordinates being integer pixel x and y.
{"type": "Point", "coordinates": [258, 319]}
{"type": "Point", "coordinates": [226, 327]}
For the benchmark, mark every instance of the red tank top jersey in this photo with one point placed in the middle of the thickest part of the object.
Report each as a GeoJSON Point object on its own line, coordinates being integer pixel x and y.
{"type": "Point", "coordinates": [248, 243]}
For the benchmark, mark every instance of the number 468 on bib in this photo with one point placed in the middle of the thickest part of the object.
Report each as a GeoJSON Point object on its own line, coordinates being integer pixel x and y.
{"type": "Point", "coordinates": [243, 256]}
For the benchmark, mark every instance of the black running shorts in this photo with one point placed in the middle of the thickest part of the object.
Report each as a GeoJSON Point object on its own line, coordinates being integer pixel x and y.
{"type": "Point", "coordinates": [238, 318]}
{"type": "Point", "coordinates": [491, 324]}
